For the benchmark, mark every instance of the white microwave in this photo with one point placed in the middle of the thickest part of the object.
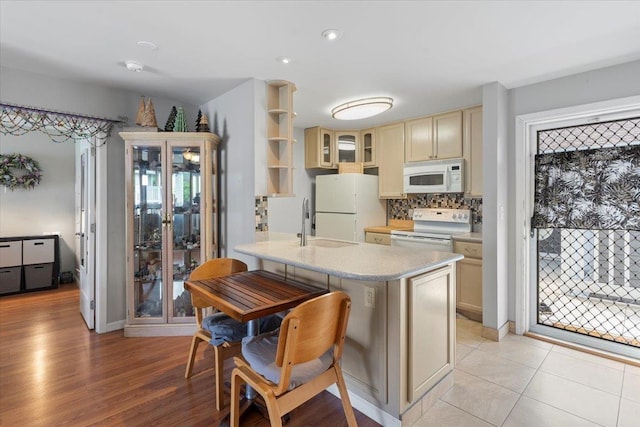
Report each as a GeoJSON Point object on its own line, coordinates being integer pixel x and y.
{"type": "Point", "coordinates": [434, 176]}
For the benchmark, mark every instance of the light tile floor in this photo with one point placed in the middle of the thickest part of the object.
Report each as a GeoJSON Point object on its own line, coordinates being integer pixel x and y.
{"type": "Point", "coordinates": [522, 382]}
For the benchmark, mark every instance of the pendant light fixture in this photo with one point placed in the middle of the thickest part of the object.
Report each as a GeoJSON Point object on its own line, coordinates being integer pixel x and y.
{"type": "Point", "coordinates": [362, 108]}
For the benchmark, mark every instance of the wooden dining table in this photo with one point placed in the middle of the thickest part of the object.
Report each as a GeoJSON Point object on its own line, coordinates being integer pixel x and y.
{"type": "Point", "coordinates": [248, 296]}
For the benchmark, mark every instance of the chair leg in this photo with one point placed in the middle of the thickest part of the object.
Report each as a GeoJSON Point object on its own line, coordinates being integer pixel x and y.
{"type": "Point", "coordinates": [219, 368]}
{"type": "Point", "coordinates": [234, 419]}
{"type": "Point", "coordinates": [192, 356]}
{"type": "Point", "coordinates": [275, 417]}
{"type": "Point", "coordinates": [344, 397]}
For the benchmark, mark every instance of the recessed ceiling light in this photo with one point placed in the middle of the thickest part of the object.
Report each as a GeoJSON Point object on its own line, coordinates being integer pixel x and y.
{"type": "Point", "coordinates": [149, 45]}
{"type": "Point", "coordinates": [331, 34]}
{"type": "Point", "coordinates": [361, 108]}
{"type": "Point", "coordinates": [284, 60]}
{"type": "Point", "coordinates": [134, 66]}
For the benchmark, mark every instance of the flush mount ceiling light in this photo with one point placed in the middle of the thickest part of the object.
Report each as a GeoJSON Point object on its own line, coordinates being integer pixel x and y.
{"type": "Point", "coordinates": [134, 66]}
{"type": "Point", "coordinates": [284, 60]}
{"type": "Point", "coordinates": [361, 108]}
{"type": "Point", "coordinates": [331, 34]}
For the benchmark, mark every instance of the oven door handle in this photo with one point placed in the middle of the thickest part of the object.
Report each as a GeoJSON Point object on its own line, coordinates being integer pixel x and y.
{"type": "Point", "coordinates": [441, 242]}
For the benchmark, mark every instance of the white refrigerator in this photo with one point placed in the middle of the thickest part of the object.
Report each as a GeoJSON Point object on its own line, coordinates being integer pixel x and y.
{"type": "Point", "coordinates": [347, 203]}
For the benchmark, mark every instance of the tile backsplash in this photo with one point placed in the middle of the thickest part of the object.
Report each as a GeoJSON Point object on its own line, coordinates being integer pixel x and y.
{"type": "Point", "coordinates": [403, 208]}
{"type": "Point", "coordinates": [262, 215]}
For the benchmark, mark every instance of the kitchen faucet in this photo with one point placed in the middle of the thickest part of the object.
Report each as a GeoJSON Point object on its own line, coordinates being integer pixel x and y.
{"type": "Point", "coordinates": [305, 216]}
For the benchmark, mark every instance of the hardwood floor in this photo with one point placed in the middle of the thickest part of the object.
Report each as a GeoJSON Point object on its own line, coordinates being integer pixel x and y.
{"type": "Point", "coordinates": [55, 372]}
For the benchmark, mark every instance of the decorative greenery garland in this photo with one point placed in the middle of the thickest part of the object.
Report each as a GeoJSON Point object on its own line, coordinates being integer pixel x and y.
{"type": "Point", "coordinates": [17, 161]}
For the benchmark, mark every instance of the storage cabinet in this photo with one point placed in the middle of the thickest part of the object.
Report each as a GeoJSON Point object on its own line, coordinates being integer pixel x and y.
{"type": "Point", "coordinates": [377, 238]}
{"type": "Point", "coordinates": [431, 331]}
{"type": "Point", "coordinates": [434, 137]}
{"type": "Point", "coordinates": [171, 206]}
{"type": "Point", "coordinates": [318, 148]}
{"type": "Point", "coordinates": [390, 147]}
{"type": "Point", "coordinates": [472, 151]}
{"type": "Point", "coordinates": [280, 138]}
{"type": "Point", "coordinates": [326, 148]}
{"type": "Point", "coordinates": [347, 147]}
{"type": "Point", "coordinates": [368, 147]}
{"type": "Point", "coordinates": [29, 263]}
{"type": "Point", "coordinates": [469, 279]}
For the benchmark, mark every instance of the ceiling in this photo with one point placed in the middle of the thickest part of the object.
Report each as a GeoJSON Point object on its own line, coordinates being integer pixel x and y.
{"type": "Point", "coordinates": [429, 56]}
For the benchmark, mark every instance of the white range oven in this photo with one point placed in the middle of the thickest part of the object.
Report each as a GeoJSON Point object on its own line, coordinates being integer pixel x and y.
{"type": "Point", "coordinates": [433, 229]}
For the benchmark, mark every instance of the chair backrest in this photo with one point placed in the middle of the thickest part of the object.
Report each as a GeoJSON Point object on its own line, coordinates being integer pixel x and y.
{"type": "Point", "coordinates": [213, 268]}
{"type": "Point", "coordinates": [309, 330]}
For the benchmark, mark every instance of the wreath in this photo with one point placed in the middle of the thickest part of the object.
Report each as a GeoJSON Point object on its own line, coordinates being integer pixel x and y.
{"type": "Point", "coordinates": [27, 180]}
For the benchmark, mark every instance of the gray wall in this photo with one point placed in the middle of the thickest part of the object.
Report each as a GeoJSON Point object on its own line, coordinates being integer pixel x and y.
{"type": "Point", "coordinates": [232, 116]}
{"type": "Point", "coordinates": [30, 89]}
{"type": "Point", "coordinates": [604, 84]}
{"type": "Point", "coordinates": [49, 207]}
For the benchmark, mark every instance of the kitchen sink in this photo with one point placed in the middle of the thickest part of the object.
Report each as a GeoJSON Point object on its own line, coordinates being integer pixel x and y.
{"type": "Point", "coordinates": [325, 243]}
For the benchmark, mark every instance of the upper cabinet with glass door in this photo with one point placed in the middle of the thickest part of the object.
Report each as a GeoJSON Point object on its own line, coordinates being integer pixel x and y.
{"type": "Point", "coordinates": [347, 146]}
{"type": "Point", "coordinates": [318, 148]}
{"type": "Point", "coordinates": [326, 148]}
{"type": "Point", "coordinates": [368, 147]}
{"type": "Point", "coordinates": [171, 224]}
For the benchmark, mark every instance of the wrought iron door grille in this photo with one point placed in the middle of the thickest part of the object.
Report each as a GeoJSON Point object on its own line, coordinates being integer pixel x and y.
{"type": "Point", "coordinates": [589, 279]}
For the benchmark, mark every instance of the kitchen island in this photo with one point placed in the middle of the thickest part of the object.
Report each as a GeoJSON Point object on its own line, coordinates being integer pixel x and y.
{"type": "Point", "coordinates": [400, 347]}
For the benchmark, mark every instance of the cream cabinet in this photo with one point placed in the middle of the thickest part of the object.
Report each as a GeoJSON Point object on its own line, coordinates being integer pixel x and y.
{"type": "Point", "coordinates": [469, 279]}
{"type": "Point", "coordinates": [434, 137]}
{"type": "Point", "coordinates": [171, 208]}
{"type": "Point", "coordinates": [472, 150]}
{"type": "Point", "coordinates": [347, 146]}
{"type": "Point", "coordinates": [431, 331]}
{"type": "Point", "coordinates": [280, 138]}
{"type": "Point", "coordinates": [390, 148]}
{"type": "Point", "coordinates": [377, 238]}
{"type": "Point", "coordinates": [368, 147]}
{"type": "Point", "coordinates": [325, 148]}
{"type": "Point", "coordinates": [318, 148]}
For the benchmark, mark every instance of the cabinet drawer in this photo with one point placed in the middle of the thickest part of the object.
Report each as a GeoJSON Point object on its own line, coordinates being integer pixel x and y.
{"type": "Point", "coordinates": [11, 253]}
{"type": "Point", "coordinates": [468, 249]}
{"type": "Point", "coordinates": [38, 276]}
{"type": "Point", "coordinates": [378, 238]}
{"type": "Point", "coordinates": [38, 251]}
{"type": "Point", "coordinates": [10, 280]}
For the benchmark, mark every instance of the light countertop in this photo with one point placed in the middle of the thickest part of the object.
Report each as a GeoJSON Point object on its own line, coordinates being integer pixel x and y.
{"type": "Point", "coordinates": [350, 260]}
{"type": "Point", "coordinates": [468, 237]}
{"type": "Point", "coordinates": [394, 224]}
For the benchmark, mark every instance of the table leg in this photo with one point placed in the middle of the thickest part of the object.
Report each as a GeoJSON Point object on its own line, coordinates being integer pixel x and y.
{"type": "Point", "coordinates": [253, 329]}
{"type": "Point", "coordinates": [248, 402]}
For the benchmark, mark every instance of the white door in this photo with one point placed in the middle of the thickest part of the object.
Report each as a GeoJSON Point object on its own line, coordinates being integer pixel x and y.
{"type": "Point", "coordinates": [85, 229]}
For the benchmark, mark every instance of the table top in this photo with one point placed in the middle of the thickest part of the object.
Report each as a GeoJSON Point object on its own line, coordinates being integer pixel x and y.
{"type": "Point", "coordinates": [252, 294]}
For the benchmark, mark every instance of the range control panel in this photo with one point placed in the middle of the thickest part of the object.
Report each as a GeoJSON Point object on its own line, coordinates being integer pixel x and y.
{"type": "Point", "coordinates": [442, 215]}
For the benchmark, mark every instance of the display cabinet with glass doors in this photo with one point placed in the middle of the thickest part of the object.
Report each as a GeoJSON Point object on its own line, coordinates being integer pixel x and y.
{"type": "Point", "coordinates": [171, 206]}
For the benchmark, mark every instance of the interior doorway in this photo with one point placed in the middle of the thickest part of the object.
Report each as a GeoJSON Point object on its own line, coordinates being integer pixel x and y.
{"type": "Point", "coordinates": [85, 218]}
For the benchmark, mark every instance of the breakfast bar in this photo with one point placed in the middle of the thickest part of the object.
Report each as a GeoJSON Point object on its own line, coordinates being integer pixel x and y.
{"type": "Point", "coordinates": [400, 347]}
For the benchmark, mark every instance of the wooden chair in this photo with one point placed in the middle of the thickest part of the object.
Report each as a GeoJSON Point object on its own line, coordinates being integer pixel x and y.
{"type": "Point", "coordinates": [307, 334]}
{"type": "Point", "coordinates": [213, 268]}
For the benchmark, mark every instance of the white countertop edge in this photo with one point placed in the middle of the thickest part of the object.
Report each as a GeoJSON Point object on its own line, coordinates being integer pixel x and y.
{"type": "Point", "coordinates": [474, 237]}
{"type": "Point", "coordinates": [355, 276]}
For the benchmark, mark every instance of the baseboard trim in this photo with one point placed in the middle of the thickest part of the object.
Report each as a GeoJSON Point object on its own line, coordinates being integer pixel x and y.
{"type": "Point", "coordinates": [367, 408]}
{"type": "Point", "coordinates": [495, 334]}
{"type": "Point", "coordinates": [175, 330]}
{"type": "Point", "coordinates": [115, 326]}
